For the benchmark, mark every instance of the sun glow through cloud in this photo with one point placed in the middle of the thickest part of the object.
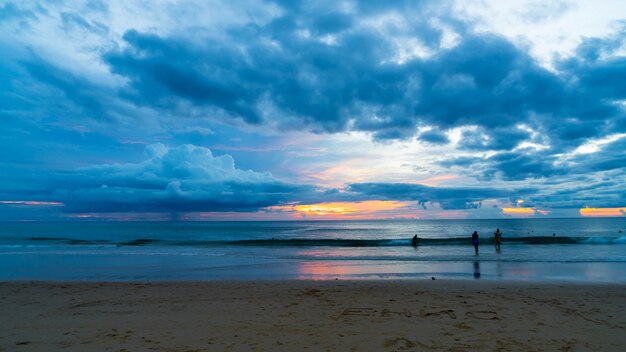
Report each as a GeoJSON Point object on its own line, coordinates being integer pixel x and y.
{"type": "Point", "coordinates": [519, 211]}
{"type": "Point", "coordinates": [603, 212]}
{"type": "Point", "coordinates": [374, 209]}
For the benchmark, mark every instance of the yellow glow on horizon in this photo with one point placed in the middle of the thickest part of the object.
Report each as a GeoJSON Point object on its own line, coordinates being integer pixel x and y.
{"type": "Point", "coordinates": [323, 209]}
{"type": "Point", "coordinates": [349, 207]}
{"type": "Point", "coordinates": [518, 211]}
{"type": "Point", "coordinates": [349, 210]}
{"type": "Point", "coordinates": [601, 212]}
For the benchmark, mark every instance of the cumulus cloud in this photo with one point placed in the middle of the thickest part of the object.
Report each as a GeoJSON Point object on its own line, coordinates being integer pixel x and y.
{"type": "Point", "coordinates": [171, 179]}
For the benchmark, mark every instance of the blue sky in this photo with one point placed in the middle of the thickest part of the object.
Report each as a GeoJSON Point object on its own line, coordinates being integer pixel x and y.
{"type": "Point", "coordinates": [222, 110]}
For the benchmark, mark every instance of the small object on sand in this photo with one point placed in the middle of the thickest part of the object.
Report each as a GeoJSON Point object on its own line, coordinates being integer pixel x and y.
{"type": "Point", "coordinates": [432, 277]}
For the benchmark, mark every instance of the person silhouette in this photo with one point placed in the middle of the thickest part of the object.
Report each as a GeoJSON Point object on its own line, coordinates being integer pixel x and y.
{"type": "Point", "coordinates": [414, 242]}
{"type": "Point", "coordinates": [497, 238]}
{"type": "Point", "coordinates": [475, 241]}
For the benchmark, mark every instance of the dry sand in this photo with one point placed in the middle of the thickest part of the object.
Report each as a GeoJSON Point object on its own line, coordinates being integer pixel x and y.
{"type": "Point", "coordinates": [318, 316]}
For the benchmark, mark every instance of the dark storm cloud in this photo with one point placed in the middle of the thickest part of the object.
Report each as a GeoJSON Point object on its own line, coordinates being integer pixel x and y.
{"type": "Point", "coordinates": [326, 71]}
{"type": "Point", "coordinates": [529, 164]}
{"type": "Point", "coordinates": [512, 166]}
{"type": "Point", "coordinates": [592, 193]}
{"type": "Point", "coordinates": [317, 69]}
{"type": "Point", "coordinates": [319, 66]}
{"type": "Point", "coordinates": [494, 139]}
{"type": "Point", "coordinates": [520, 166]}
{"type": "Point", "coordinates": [163, 71]}
{"type": "Point", "coordinates": [484, 81]}
{"type": "Point", "coordinates": [434, 137]}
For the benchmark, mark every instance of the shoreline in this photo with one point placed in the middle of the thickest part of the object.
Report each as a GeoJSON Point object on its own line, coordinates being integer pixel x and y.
{"type": "Point", "coordinates": [121, 268]}
{"type": "Point", "coordinates": [268, 315]}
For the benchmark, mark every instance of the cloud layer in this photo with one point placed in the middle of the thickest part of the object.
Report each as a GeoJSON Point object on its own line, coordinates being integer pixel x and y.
{"type": "Point", "coordinates": [340, 72]}
{"type": "Point", "coordinates": [95, 78]}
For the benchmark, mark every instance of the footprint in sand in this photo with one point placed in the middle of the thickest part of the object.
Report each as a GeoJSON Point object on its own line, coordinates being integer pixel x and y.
{"type": "Point", "coordinates": [449, 312]}
{"type": "Point", "coordinates": [400, 343]}
{"type": "Point", "coordinates": [464, 326]}
{"type": "Point", "coordinates": [482, 315]}
{"type": "Point", "coordinates": [359, 311]}
{"type": "Point", "coordinates": [312, 292]}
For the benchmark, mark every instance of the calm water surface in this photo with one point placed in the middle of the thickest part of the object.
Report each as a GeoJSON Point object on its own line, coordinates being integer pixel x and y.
{"type": "Point", "coordinates": [584, 250]}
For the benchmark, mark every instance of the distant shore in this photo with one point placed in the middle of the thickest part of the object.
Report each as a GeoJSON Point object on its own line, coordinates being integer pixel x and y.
{"type": "Point", "coordinates": [438, 315]}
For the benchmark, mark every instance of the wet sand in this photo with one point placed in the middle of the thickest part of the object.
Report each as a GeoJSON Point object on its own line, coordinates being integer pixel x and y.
{"type": "Point", "coordinates": [418, 315]}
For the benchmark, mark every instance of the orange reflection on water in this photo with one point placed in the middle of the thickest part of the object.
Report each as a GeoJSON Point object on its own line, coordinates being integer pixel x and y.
{"type": "Point", "coordinates": [602, 212]}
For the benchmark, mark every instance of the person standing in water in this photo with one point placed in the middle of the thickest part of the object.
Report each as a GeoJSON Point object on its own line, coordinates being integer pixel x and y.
{"type": "Point", "coordinates": [475, 241]}
{"type": "Point", "coordinates": [497, 238]}
{"type": "Point", "coordinates": [415, 242]}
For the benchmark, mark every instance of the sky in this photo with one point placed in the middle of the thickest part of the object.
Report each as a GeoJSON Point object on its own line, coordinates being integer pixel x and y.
{"type": "Point", "coordinates": [289, 110]}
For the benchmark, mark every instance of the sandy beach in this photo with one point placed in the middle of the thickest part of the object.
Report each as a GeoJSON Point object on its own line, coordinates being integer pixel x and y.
{"type": "Point", "coordinates": [321, 316]}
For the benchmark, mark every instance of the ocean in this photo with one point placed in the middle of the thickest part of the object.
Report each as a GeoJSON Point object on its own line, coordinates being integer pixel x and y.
{"type": "Point", "coordinates": [555, 250]}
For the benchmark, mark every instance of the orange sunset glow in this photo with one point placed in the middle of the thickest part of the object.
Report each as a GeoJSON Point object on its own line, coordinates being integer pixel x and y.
{"type": "Point", "coordinates": [518, 211]}
{"type": "Point", "coordinates": [602, 212]}
{"type": "Point", "coordinates": [373, 209]}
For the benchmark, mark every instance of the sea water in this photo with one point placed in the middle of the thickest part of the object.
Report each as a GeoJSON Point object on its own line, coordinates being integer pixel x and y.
{"type": "Point", "coordinates": [581, 249]}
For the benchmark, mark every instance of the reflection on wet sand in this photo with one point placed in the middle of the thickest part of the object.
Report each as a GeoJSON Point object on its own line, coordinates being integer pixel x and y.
{"type": "Point", "coordinates": [484, 269]}
{"type": "Point", "coordinates": [324, 270]}
{"type": "Point", "coordinates": [476, 269]}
